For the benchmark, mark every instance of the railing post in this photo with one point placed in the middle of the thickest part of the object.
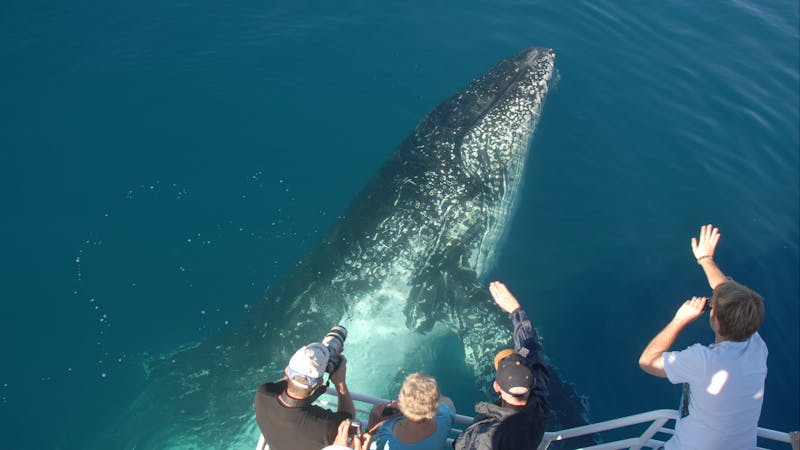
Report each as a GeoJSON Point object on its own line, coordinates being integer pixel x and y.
{"type": "Point", "coordinates": [650, 432]}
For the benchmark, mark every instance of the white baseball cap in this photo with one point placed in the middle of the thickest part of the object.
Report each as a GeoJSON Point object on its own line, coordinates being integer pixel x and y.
{"type": "Point", "coordinates": [309, 364]}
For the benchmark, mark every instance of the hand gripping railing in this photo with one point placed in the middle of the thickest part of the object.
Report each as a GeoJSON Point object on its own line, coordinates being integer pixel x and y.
{"type": "Point", "coordinates": [646, 440]}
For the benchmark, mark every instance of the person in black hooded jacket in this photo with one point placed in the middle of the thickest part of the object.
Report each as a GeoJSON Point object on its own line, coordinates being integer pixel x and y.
{"type": "Point", "coordinates": [517, 420]}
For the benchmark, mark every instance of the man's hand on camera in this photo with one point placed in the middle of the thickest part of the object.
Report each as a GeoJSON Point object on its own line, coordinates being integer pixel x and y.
{"type": "Point", "coordinates": [690, 310]}
{"type": "Point", "coordinates": [338, 376]}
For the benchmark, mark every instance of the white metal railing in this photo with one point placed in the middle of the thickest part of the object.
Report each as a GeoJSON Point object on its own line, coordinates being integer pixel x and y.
{"type": "Point", "coordinates": [657, 420]}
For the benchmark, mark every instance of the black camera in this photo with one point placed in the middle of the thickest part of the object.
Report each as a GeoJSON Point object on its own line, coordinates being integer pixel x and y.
{"type": "Point", "coordinates": [334, 340]}
{"type": "Point", "coordinates": [355, 428]}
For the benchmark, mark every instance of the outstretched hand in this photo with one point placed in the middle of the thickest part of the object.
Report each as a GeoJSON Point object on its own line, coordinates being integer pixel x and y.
{"type": "Point", "coordinates": [704, 245]}
{"type": "Point", "coordinates": [690, 310]}
{"type": "Point", "coordinates": [503, 297]}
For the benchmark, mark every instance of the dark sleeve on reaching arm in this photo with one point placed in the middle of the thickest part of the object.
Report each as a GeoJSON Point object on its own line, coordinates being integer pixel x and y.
{"type": "Point", "coordinates": [526, 343]}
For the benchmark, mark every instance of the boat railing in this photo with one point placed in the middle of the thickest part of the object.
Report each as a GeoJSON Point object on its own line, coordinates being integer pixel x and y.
{"type": "Point", "coordinates": [654, 423]}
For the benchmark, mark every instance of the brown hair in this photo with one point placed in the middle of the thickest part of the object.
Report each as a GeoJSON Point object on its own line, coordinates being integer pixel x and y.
{"type": "Point", "coordinates": [739, 310]}
{"type": "Point", "coordinates": [419, 397]}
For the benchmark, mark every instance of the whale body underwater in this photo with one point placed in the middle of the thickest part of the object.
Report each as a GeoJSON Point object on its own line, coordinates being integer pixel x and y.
{"type": "Point", "coordinates": [401, 269]}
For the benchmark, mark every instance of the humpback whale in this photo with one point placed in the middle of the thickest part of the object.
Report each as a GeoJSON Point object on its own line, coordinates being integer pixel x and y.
{"type": "Point", "coordinates": [401, 269]}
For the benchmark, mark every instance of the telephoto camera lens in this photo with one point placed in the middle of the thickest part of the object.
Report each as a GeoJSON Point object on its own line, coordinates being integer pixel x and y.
{"type": "Point", "coordinates": [334, 340]}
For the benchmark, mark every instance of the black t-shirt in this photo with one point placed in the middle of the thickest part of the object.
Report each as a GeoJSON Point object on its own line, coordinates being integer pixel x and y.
{"type": "Point", "coordinates": [301, 428]}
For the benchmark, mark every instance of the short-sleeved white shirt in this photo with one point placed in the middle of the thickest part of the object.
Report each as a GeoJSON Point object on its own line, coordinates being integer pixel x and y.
{"type": "Point", "coordinates": [726, 382]}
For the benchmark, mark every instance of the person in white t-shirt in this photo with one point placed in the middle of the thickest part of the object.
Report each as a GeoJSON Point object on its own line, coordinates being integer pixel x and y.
{"type": "Point", "coordinates": [725, 379]}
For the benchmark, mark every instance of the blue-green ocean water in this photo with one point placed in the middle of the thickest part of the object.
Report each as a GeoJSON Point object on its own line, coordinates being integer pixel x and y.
{"type": "Point", "coordinates": [164, 163]}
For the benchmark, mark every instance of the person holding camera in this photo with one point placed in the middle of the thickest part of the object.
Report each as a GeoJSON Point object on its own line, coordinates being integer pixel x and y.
{"type": "Point", "coordinates": [517, 420]}
{"type": "Point", "coordinates": [420, 418]}
{"type": "Point", "coordinates": [285, 412]}
{"type": "Point", "coordinates": [725, 380]}
{"type": "Point", "coordinates": [350, 438]}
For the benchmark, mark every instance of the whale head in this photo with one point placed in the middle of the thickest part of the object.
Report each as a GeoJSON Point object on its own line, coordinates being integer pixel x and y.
{"type": "Point", "coordinates": [479, 140]}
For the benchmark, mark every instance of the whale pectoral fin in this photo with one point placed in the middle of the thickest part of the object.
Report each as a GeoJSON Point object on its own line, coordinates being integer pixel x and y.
{"type": "Point", "coordinates": [484, 330]}
{"type": "Point", "coordinates": [456, 299]}
{"type": "Point", "coordinates": [438, 292]}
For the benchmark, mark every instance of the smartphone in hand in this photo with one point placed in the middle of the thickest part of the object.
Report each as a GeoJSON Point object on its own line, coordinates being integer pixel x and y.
{"type": "Point", "coordinates": [355, 428]}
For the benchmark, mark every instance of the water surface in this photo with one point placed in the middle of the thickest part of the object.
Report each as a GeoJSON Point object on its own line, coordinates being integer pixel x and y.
{"type": "Point", "coordinates": [164, 164]}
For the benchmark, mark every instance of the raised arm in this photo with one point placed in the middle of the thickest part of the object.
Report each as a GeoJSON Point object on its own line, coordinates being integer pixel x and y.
{"type": "Point", "coordinates": [526, 340]}
{"type": "Point", "coordinates": [650, 361]}
{"type": "Point", "coordinates": [703, 248]}
{"type": "Point", "coordinates": [345, 399]}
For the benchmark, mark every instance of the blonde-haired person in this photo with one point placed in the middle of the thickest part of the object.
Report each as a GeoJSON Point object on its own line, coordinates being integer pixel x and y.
{"type": "Point", "coordinates": [424, 420]}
